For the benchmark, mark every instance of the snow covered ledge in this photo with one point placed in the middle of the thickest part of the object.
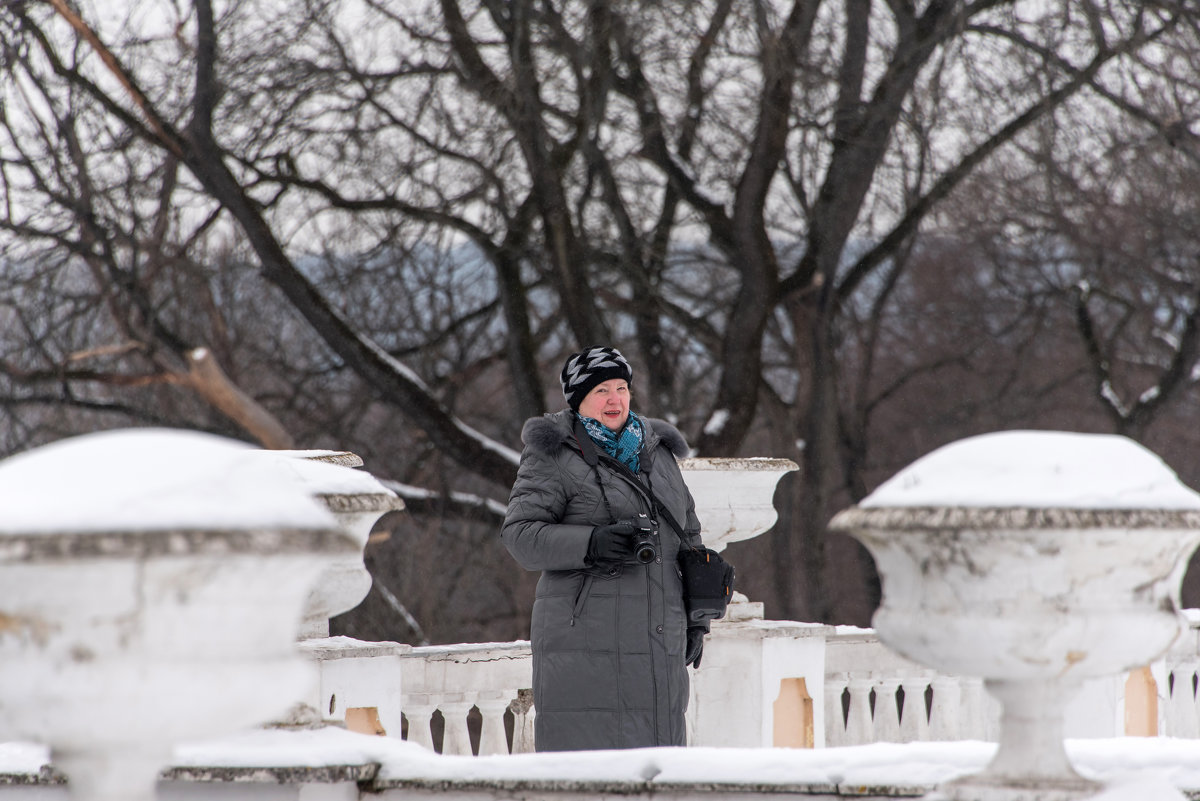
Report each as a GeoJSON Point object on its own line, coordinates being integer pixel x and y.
{"type": "Point", "coordinates": [151, 583]}
{"type": "Point", "coordinates": [1035, 560]}
{"type": "Point", "coordinates": [335, 765]}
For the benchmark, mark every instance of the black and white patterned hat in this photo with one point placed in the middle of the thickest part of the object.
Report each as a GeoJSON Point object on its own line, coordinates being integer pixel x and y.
{"type": "Point", "coordinates": [592, 366]}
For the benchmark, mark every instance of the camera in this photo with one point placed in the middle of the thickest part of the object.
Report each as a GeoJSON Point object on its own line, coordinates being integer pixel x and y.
{"type": "Point", "coordinates": [644, 548]}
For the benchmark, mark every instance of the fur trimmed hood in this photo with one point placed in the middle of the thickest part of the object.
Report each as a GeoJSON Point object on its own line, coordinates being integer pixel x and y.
{"type": "Point", "coordinates": [550, 431]}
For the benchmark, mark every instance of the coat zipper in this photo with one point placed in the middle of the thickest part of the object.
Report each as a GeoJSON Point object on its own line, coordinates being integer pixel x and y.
{"type": "Point", "coordinates": [585, 589]}
{"type": "Point", "coordinates": [628, 477]}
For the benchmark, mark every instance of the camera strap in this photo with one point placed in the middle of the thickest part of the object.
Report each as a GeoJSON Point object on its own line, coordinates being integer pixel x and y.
{"type": "Point", "coordinates": [592, 457]}
{"type": "Point", "coordinates": [708, 579]}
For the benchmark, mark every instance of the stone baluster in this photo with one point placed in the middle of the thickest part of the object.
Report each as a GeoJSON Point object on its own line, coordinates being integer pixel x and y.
{"type": "Point", "coordinates": [523, 717]}
{"type": "Point", "coordinates": [945, 711]}
{"type": "Point", "coordinates": [980, 713]}
{"type": "Point", "coordinates": [887, 712]}
{"type": "Point", "coordinates": [914, 721]}
{"type": "Point", "coordinates": [1181, 714]}
{"type": "Point", "coordinates": [419, 709]}
{"type": "Point", "coordinates": [860, 725]}
{"type": "Point", "coordinates": [456, 738]}
{"type": "Point", "coordinates": [492, 705]}
{"type": "Point", "coordinates": [453, 678]}
{"type": "Point", "coordinates": [835, 716]}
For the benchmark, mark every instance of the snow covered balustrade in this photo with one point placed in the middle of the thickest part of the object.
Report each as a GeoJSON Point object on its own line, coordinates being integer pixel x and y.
{"type": "Point", "coordinates": [1177, 696]}
{"type": "Point", "coordinates": [151, 584]}
{"type": "Point", "coordinates": [1037, 561]}
{"type": "Point", "coordinates": [490, 680]}
{"type": "Point", "coordinates": [766, 683]}
{"type": "Point", "coordinates": [1159, 699]}
{"type": "Point", "coordinates": [872, 694]}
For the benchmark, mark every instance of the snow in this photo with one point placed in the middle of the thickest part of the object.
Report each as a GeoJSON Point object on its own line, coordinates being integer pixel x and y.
{"type": "Point", "coordinates": [1114, 400]}
{"type": "Point", "coordinates": [1132, 768]}
{"type": "Point", "coordinates": [156, 479]}
{"type": "Point", "coordinates": [717, 422]}
{"type": "Point", "coordinates": [410, 492]}
{"type": "Point", "coordinates": [1038, 469]}
{"type": "Point", "coordinates": [324, 478]}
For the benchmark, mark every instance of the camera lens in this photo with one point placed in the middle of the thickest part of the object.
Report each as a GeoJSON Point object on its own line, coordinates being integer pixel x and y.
{"type": "Point", "coordinates": [645, 551]}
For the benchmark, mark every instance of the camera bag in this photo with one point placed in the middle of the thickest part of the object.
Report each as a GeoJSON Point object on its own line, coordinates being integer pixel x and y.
{"type": "Point", "coordinates": [707, 584]}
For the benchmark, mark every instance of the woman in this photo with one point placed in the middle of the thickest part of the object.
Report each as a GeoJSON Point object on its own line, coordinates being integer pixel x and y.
{"type": "Point", "coordinates": [610, 637]}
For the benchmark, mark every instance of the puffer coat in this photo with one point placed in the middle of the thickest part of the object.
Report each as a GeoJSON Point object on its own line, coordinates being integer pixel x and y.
{"type": "Point", "coordinates": [608, 640]}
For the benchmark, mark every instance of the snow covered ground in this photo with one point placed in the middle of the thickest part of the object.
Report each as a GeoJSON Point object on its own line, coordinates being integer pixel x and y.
{"type": "Point", "coordinates": [1134, 769]}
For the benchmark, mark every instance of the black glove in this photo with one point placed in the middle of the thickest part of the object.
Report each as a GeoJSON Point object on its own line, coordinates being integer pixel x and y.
{"type": "Point", "coordinates": [611, 543]}
{"type": "Point", "coordinates": [695, 645]}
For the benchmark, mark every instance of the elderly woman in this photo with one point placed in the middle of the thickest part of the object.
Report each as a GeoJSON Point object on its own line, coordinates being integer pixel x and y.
{"type": "Point", "coordinates": [600, 507]}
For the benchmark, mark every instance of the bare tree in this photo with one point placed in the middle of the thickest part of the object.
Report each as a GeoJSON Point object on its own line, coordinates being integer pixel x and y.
{"type": "Point", "coordinates": [453, 195]}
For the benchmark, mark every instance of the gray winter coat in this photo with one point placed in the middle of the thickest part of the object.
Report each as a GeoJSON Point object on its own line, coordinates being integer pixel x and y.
{"type": "Point", "coordinates": [608, 641]}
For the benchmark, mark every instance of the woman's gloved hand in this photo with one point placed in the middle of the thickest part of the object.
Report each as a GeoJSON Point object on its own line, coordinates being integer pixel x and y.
{"type": "Point", "coordinates": [695, 645]}
{"type": "Point", "coordinates": [611, 543]}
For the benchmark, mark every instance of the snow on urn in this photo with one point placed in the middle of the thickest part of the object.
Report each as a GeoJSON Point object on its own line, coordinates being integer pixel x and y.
{"type": "Point", "coordinates": [151, 586]}
{"type": "Point", "coordinates": [1035, 560]}
{"type": "Point", "coordinates": [357, 500]}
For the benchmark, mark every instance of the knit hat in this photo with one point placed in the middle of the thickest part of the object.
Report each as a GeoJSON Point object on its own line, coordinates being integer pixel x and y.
{"type": "Point", "coordinates": [591, 366]}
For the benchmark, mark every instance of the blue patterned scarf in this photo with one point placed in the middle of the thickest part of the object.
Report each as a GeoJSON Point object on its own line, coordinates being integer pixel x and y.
{"type": "Point", "coordinates": [623, 445]}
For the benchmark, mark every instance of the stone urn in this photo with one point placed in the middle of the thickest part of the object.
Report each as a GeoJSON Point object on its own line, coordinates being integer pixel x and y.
{"type": "Point", "coordinates": [1035, 560]}
{"type": "Point", "coordinates": [734, 496]}
{"type": "Point", "coordinates": [357, 500]}
{"type": "Point", "coordinates": [151, 585]}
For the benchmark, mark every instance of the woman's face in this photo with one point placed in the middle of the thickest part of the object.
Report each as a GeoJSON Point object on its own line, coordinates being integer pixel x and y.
{"type": "Point", "coordinates": [608, 402]}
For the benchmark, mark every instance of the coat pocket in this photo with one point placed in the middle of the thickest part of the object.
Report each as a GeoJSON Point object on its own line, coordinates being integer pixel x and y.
{"type": "Point", "coordinates": [585, 589]}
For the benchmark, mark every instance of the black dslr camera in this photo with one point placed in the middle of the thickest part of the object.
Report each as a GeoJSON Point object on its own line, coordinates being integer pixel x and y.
{"type": "Point", "coordinates": [642, 528]}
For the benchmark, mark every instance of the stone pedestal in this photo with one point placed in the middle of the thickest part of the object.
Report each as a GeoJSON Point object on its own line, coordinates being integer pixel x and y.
{"type": "Point", "coordinates": [761, 683]}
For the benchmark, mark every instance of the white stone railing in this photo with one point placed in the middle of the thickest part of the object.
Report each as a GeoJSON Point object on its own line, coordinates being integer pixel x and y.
{"type": "Point", "coordinates": [873, 695]}
{"type": "Point", "coordinates": [1179, 707]}
{"type": "Point", "coordinates": [870, 694]}
{"type": "Point", "coordinates": [489, 679]}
